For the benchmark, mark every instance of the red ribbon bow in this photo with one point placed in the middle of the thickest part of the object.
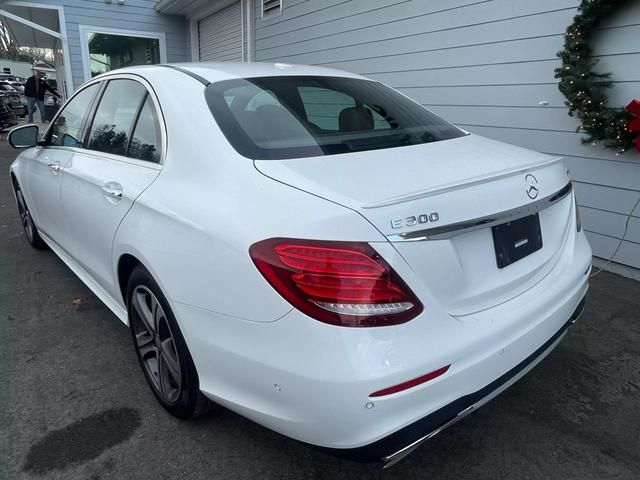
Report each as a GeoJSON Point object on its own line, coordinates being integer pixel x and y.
{"type": "Point", "coordinates": [633, 125]}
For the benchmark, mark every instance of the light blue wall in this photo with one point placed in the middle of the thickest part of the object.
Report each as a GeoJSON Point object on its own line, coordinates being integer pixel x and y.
{"type": "Point", "coordinates": [484, 65]}
{"type": "Point", "coordinates": [133, 15]}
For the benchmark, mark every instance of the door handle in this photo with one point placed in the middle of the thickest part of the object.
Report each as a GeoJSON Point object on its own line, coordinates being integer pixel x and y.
{"type": "Point", "coordinates": [112, 190]}
{"type": "Point", "coordinates": [55, 168]}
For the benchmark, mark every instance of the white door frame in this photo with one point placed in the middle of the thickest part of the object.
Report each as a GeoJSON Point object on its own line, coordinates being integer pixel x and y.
{"type": "Point", "coordinates": [84, 42]}
{"type": "Point", "coordinates": [62, 36]}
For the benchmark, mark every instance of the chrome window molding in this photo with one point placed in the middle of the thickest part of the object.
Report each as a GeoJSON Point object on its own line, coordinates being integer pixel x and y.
{"type": "Point", "coordinates": [448, 231]}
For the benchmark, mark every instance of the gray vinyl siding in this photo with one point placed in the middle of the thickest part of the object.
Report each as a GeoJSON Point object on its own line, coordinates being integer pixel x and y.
{"type": "Point", "coordinates": [484, 65]}
{"type": "Point", "coordinates": [137, 15]}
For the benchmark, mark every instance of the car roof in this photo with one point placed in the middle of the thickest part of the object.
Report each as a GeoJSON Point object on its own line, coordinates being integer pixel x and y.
{"type": "Point", "coordinates": [216, 72]}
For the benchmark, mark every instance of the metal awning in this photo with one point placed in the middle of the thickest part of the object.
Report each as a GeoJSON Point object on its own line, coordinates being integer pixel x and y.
{"type": "Point", "coordinates": [39, 27]}
{"type": "Point", "coordinates": [32, 27]}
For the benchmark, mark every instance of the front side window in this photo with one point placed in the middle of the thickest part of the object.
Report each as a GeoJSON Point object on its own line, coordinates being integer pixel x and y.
{"type": "Point", "coordinates": [115, 116]}
{"type": "Point", "coordinates": [66, 130]}
{"type": "Point", "coordinates": [297, 116]}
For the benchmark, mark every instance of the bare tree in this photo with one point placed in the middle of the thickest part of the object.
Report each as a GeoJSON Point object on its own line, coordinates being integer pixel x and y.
{"type": "Point", "coordinates": [37, 54]}
{"type": "Point", "coordinates": [8, 47]}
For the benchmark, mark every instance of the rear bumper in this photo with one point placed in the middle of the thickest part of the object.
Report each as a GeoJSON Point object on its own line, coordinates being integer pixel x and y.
{"type": "Point", "coordinates": [396, 446]}
{"type": "Point", "coordinates": [312, 381]}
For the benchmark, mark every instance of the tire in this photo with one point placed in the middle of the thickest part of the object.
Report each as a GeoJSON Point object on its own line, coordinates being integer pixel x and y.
{"type": "Point", "coordinates": [29, 228]}
{"type": "Point", "coordinates": [161, 350]}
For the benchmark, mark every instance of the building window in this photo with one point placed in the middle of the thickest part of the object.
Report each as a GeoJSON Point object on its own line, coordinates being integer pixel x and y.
{"type": "Point", "coordinates": [108, 52]}
{"type": "Point", "coordinates": [105, 50]}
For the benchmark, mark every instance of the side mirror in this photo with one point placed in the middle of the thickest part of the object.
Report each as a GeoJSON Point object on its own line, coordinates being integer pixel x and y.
{"type": "Point", "coordinates": [24, 137]}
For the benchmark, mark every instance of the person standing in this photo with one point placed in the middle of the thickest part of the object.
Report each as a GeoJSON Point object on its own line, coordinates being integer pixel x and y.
{"type": "Point", "coordinates": [34, 90]}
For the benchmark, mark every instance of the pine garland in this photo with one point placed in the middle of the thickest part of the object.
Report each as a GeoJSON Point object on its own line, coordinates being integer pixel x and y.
{"type": "Point", "coordinates": [586, 90]}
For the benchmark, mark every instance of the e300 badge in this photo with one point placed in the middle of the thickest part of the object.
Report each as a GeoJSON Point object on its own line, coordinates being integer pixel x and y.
{"type": "Point", "coordinates": [415, 220]}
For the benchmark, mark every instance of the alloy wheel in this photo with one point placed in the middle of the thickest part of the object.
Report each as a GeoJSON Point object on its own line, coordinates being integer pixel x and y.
{"type": "Point", "coordinates": [156, 344]}
{"type": "Point", "coordinates": [25, 216]}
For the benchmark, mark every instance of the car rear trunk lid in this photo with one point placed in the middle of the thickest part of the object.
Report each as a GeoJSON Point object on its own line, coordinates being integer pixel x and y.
{"type": "Point", "coordinates": [438, 203]}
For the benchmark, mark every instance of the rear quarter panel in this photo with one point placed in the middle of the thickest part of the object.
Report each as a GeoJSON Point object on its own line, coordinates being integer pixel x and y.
{"type": "Point", "coordinates": [195, 240]}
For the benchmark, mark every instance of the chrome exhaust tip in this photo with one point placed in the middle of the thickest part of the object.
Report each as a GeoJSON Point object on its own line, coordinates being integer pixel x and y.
{"type": "Point", "coordinates": [390, 460]}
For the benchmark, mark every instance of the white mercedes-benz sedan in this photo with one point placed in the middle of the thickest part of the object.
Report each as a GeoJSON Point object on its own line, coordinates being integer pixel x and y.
{"type": "Point", "coordinates": [306, 247]}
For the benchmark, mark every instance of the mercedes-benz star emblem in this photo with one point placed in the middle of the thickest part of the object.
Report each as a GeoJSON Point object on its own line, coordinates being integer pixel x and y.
{"type": "Point", "coordinates": [531, 186]}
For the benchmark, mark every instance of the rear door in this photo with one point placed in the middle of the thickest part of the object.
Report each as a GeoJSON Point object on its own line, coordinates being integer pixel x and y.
{"type": "Point", "coordinates": [122, 157]}
{"type": "Point", "coordinates": [45, 168]}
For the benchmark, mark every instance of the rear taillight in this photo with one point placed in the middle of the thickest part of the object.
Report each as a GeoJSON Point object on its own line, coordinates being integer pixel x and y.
{"type": "Point", "coordinates": [341, 283]}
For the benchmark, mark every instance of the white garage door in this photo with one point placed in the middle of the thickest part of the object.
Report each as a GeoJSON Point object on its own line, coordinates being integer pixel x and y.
{"type": "Point", "coordinates": [220, 35]}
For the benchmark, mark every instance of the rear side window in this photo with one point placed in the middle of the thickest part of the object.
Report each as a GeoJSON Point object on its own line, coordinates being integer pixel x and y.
{"type": "Point", "coordinates": [66, 130]}
{"type": "Point", "coordinates": [298, 116]}
{"type": "Point", "coordinates": [115, 116]}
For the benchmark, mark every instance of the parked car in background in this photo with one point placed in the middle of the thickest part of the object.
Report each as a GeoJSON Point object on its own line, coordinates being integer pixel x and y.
{"type": "Point", "coordinates": [7, 116]}
{"type": "Point", "coordinates": [51, 106]}
{"type": "Point", "coordinates": [14, 100]}
{"type": "Point", "coordinates": [18, 85]}
{"type": "Point", "coordinates": [307, 247]}
{"type": "Point", "coordinates": [6, 86]}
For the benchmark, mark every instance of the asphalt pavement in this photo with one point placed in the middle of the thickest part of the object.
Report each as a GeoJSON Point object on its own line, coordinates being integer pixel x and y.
{"type": "Point", "coordinates": [74, 403]}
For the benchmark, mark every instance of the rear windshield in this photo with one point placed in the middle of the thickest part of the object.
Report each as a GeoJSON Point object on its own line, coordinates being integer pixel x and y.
{"type": "Point", "coordinates": [292, 117]}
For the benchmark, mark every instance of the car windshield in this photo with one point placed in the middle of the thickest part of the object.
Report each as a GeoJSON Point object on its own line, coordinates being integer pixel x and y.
{"type": "Point", "coordinates": [303, 116]}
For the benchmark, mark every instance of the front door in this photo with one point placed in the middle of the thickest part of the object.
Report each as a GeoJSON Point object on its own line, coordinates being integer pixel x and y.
{"type": "Point", "coordinates": [45, 168]}
{"type": "Point", "coordinates": [44, 174]}
{"type": "Point", "coordinates": [102, 182]}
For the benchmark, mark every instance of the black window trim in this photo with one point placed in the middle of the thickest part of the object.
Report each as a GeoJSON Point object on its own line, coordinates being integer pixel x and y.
{"type": "Point", "coordinates": [135, 124]}
{"type": "Point", "coordinates": [91, 112]}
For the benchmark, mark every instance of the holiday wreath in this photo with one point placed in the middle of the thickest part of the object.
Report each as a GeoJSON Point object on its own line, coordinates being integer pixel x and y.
{"type": "Point", "coordinates": [586, 90]}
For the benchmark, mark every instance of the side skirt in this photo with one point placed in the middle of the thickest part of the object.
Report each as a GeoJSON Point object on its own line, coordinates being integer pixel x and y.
{"type": "Point", "coordinates": [88, 280]}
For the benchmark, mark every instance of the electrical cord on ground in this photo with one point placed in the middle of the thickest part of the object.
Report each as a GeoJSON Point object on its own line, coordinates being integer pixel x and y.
{"type": "Point", "coordinates": [624, 235]}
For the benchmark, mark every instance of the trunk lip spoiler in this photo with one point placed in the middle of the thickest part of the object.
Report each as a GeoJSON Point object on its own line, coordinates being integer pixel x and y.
{"type": "Point", "coordinates": [448, 231]}
{"type": "Point", "coordinates": [457, 186]}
